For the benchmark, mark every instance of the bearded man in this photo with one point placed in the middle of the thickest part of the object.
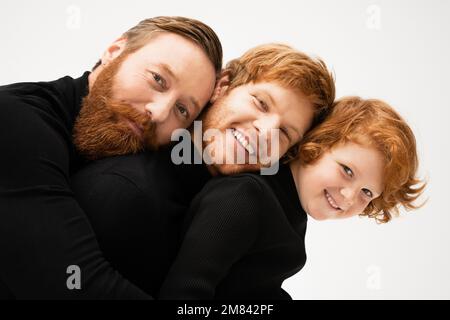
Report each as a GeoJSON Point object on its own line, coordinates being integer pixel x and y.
{"type": "Point", "coordinates": [154, 79]}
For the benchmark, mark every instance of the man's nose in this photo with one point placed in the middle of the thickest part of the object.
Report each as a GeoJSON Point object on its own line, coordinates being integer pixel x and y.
{"type": "Point", "coordinates": [268, 141]}
{"type": "Point", "coordinates": [159, 110]}
{"type": "Point", "coordinates": [266, 123]}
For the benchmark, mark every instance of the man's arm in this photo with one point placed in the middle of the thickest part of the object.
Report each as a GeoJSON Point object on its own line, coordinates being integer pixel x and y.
{"type": "Point", "coordinates": [136, 224]}
{"type": "Point", "coordinates": [223, 230]}
{"type": "Point", "coordinates": [43, 231]}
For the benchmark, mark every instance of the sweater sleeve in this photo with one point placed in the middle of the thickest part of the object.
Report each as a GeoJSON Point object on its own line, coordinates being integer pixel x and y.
{"type": "Point", "coordinates": [117, 209]}
{"type": "Point", "coordinates": [223, 230]}
{"type": "Point", "coordinates": [43, 230]}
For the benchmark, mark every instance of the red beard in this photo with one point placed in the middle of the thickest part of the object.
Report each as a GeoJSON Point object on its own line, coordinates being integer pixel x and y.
{"type": "Point", "coordinates": [103, 129]}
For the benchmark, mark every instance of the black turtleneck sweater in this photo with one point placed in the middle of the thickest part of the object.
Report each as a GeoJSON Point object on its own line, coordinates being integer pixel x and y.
{"type": "Point", "coordinates": [43, 229]}
{"type": "Point", "coordinates": [244, 235]}
{"type": "Point", "coordinates": [136, 205]}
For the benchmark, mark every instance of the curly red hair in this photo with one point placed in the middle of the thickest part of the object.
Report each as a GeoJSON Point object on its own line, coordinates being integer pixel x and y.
{"type": "Point", "coordinates": [375, 124]}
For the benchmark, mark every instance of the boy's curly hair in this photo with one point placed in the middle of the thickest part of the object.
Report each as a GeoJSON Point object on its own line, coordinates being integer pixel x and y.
{"type": "Point", "coordinates": [375, 124]}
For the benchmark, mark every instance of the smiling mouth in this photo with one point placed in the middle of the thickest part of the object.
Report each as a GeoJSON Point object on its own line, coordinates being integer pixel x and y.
{"type": "Point", "coordinates": [331, 201]}
{"type": "Point", "coordinates": [243, 141]}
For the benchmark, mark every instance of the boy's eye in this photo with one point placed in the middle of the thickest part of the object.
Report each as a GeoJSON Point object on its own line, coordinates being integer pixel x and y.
{"type": "Point", "coordinates": [347, 170]}
{"type": "Point", "coordinates": [368, 193]}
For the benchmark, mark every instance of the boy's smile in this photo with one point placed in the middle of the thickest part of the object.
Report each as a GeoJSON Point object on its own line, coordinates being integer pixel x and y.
{"type": "Point", "coordinates": [341, 183]}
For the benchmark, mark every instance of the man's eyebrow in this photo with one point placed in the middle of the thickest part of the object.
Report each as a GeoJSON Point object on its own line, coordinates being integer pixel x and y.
{"type": "Point", "coordinates": [268, 95]}
{"type": "Point", "coordinates": [290, 126]}
{"type": "Point", "coordinates": [195, 103]}
{"type": "Point", "coordinates": [168, 70]}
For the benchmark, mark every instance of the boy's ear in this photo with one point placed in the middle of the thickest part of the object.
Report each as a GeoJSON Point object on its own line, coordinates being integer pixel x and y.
{"type": "Point", "coordinates": [114, 50]}
{"type": "Point", "coordinates": [221, 86]}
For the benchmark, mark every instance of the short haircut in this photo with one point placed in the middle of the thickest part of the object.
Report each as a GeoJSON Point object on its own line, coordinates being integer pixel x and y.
{"type": "Point", "coordinates": [191, 29]}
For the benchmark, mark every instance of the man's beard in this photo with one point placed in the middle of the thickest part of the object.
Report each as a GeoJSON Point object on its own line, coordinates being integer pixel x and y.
{"type": "Point", "coordinates": [102, 128]}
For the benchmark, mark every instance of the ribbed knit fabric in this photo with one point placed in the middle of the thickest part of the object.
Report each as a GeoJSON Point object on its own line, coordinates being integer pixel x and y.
{"type": "Point", "coordinates": [136, 205]}
{"type": "Point", "coordinates": [244, 235]}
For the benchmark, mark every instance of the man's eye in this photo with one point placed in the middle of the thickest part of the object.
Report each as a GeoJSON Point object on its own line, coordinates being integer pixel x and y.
{"type": "Point", "coordinates": [285, 132]}
{"type": "Point", "coordinates": [368, 193]}
{"type": "Point", "coordinates": [160, 80]}
{"type": "Point", "coordinates": [260, 103]}
{"type": "Point", "coordinates": [347, 170]}
{"type": "Point", "coordinates": [183, 111]}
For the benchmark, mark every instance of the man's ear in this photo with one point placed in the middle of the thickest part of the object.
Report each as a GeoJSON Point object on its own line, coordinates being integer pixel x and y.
{"type": "Point", "coordinates": [114, 50]}
{"type": "Point", "coordinates": [221, 86]}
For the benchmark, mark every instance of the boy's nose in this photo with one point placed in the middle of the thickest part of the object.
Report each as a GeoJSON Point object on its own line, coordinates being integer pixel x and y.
{"type": "Point", "coordinates": [349, 195]}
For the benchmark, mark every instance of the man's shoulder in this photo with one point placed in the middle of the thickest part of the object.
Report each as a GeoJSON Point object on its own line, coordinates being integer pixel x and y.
{"type": "Point", "coordinates": [12, 93]}
{"type": "Point", "coordinates": [131, 164]}
{"type": "Point", "coordinates": [25, 94]}
{"type": "Point", "coordinates": [135, 170]}
{"type": "Point", "coordinates": [253, 182]}
{"type": "Point", "coordinates": [244, 188]}
{"type": "Point", "coordinates": [19, 90]}
{"type": "Point", "coordinates": [234, 201]}
{"type": "Point", "coordinates": [62, 92]}
{"type": "Point", "coordinates": [18, 103]}
{"type": "Point", "coordinates": [244, 192]}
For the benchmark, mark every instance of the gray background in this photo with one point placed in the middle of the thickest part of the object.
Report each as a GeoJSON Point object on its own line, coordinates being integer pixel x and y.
{"type": "Point", "coordinates": [393, 50]}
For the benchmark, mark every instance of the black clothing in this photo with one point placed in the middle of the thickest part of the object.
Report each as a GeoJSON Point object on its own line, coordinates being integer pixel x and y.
{"type": "Point", "coordinates": [136, 205]}
{"type": "Point", "coordinates": [244, 236]}
{"type": "Point", "coordinates": [43, 230]}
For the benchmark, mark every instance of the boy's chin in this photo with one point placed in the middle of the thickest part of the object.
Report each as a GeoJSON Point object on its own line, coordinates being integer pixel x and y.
{"type": "Point", "coordinates": [317, 215]}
